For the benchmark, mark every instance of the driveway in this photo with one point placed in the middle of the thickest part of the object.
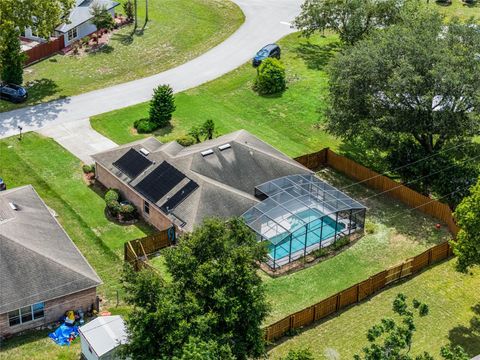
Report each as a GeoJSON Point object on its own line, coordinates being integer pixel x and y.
{"type": "Point", "coordinates": [266, 21]}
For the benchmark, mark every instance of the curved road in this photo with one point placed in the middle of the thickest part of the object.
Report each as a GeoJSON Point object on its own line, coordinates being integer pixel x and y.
{"type": "Point", "coordinates": [266, 21]}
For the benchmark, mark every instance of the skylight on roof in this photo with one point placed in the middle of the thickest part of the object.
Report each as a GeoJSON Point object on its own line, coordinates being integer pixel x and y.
{"type": "Point", "coordinates": [207, 152]}
{"type": "Point", "coordinates": [224, 147]}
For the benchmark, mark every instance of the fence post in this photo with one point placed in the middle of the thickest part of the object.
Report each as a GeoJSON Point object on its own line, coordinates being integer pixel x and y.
{"type": "Point", "coordinates": [337, 305]}
{"type": "Point", "coordinates": [292, 322]}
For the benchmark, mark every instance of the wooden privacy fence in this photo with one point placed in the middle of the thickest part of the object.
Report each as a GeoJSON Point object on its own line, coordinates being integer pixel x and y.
{"type": "Point", "coordinates": [136, 252]}
{"type": "Point", "coordinates": [358, 292]}
{"type": "Point", "coordinates": [374, 180]}
{"type": "Point", "coordinates": [44, 50]}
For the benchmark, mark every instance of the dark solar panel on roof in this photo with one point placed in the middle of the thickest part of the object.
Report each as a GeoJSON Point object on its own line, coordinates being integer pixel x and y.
{"type": "Point", "coordinates": [132, 163]}
{"type": "Point", "coordinates": [159, 182]}
{"type": "Point", "coordinates": [182, 194]}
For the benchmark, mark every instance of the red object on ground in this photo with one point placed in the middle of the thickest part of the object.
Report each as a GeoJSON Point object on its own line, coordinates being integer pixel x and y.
{"type": "Point", "coordinates": [105, 313]}
{"type": "Point", "coordinates": [438, 226]}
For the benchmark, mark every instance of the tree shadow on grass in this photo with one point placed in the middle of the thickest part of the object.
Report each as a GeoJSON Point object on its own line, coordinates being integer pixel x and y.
{"type": "Point", "coordinates": [163, 131]}
{"type": "Point", "coordinates": [41, 89]}
{"type": "Point", "coordinates": [468, 337]}
{"type": "Point", "coordinates": [124, 39]}
{"type": "Point", "coordinates": [317, 56]}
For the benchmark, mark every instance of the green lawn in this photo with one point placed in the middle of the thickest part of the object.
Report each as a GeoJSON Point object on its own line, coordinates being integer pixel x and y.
{"type": "Point", "coordinates": [57, 177]}
{"type": "Point", "coordinates": [178, 31]}
{"type": "Point", "coordinates": [459, 9]}
{"type": "Point", "coordinates": [396, 234]}
{"type": "Point", "coordinates": [290, 122]}
{"type": "Point", "coordinates": [454, 317]}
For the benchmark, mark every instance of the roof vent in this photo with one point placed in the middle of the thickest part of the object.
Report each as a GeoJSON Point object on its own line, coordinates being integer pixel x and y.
{"type": "Point", "coordinates": [207, 152]}
{"type": "Point", "coordinates": [224, 147]}
{"type": "Point", "coordinates": [144, 151]}
{"type": "Point", "coordinates": [13, 206]}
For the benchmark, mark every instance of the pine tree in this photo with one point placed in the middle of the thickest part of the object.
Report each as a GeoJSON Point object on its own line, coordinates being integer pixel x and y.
{"type": "Point", "coordinates": [162, 105]}
{"type": "Point", "coordinates": [11, 57]}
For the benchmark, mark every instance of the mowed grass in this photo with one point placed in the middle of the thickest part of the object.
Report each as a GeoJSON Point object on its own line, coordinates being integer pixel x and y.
{"type": "Point", "coordinates": [291, 122]}
{"type": "Point", "coordinates": [56, 175]}
{"type": "Point", "coordinates": [454, 318]}
{"type": "Point", "coordinates": [37, 345]}
{"type": "Point", "coordinates": [395, 233]}
{"type": "Point", "coordinates": [178, 31]}
{"type": "Point", "coordinates": [458, 9]}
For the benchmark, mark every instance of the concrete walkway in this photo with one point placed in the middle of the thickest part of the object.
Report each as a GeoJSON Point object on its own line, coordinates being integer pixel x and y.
{"type": "Point", "coordinates": [79, 138]}
{"type": "Point", "coordinates": [266, 22]}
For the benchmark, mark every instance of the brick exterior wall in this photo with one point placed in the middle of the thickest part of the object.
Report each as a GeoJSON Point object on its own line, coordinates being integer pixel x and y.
{"type": "Point", "coordinates": [54, 309]}
{"type": "Point", "coordinates": [156, 217]}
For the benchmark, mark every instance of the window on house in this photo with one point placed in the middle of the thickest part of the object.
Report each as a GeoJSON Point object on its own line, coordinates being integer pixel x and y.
{"type": "Point", "coordinates": [146, 207]}
{"type": "Point", "coordinates": [26, 314]}
{"type": "Point", "coordinates": [72, 34]}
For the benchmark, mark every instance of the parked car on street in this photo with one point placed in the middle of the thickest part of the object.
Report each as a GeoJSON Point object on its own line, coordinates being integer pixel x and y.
{"type": "Point", "coordinates": [13, 93]}
{"type": "Point", "coordinates": [3, 186]}
{"type": "Point", "coordinates": [268, 51]}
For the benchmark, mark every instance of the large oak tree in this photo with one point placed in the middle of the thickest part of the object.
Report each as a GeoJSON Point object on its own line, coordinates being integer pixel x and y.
{"type": "Point", "coordinates": [412, 91]}
{"type": "Point", "coordinates": [214, 304]}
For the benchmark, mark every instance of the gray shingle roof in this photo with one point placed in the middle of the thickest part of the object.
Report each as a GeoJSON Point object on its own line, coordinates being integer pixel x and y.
{"type": "Point", "coordinates": [226, 179]}
{"type": "Point", "coordinates": [81, 13]}
{"type": "Point", "coordinates": [38, 261]}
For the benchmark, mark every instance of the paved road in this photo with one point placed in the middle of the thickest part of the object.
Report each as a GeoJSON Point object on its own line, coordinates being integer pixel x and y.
{"type": "Point", "coordinates": [266, 21]}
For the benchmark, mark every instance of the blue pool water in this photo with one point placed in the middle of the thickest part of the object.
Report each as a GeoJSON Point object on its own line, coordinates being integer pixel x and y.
{"type": "Point", "coordinates": [313, 235]}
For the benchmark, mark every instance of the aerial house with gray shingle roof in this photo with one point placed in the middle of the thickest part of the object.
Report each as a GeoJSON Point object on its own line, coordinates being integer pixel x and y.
{"type": "Point", "coordinates": [234, 175]}
{"type": "Point", "coordinates": [42, 272]}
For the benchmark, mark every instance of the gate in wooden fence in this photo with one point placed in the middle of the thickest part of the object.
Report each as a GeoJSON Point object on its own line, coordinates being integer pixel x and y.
{"type": "Point", "coordinates": [358, 292]}
{"type": "Point", "coordinates": [136, 252]}
{"type": "Point", "coordinates": [374, 180]}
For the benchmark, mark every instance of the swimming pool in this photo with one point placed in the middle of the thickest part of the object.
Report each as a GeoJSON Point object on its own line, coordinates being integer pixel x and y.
{"type": "Point", "coordinates": [324, 227]}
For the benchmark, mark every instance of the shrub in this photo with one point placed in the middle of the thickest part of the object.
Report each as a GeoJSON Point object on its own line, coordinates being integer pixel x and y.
{"type": "Point", "coordinates": [162, 105]}
{"type": "Point", "coordinates": [320, 252]}
{"type": "Point", "coordinates": [186, 140]}
{"type": "Point", "coordinates": [340, 243]}
{"type": "Point", "coordinates": [370, 228]}
{"type": "Point", "coordinates": [270, 77]}
{"type": "Point", "coordinates": [112, 195]}
{"type": "Point", "coordinates": [129, 10]}
{"type": "Point", "coordinates": [145, 126]}
{"type": "Point", "coordinates": [87, 169]}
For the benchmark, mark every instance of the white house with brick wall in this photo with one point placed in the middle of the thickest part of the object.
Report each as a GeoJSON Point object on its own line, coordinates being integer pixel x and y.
{"type": "Point", "coordinates": [42, 272]}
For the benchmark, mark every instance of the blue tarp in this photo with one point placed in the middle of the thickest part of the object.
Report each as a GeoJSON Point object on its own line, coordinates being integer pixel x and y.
{"type": "Point", "coordinates": [63, 334]}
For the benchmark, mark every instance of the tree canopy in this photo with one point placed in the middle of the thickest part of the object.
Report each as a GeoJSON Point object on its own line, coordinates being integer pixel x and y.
{"type": "Point", "coordinates": [351, 19]}
{"type": "Point", "coordinates": [392, 339]}
{"type": "Point", "coordinates": [467, 243]}
{"type": "Point", "coordinates": [43, 15]}
{"type": "Point", "coordinates": [214, 304]}
{"type": "Point", "coordinates": [412, 91]}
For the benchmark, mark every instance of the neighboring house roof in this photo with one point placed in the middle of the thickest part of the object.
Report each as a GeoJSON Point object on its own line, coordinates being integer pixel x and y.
{"type": "Point", "coordinates": [82, 12]}
{"type": "Point", "coordinates": [104, 333]}
{"type": "Point", "coordinates": [219, 184]}
{"type": "Point", "coordinates": [38, 261]}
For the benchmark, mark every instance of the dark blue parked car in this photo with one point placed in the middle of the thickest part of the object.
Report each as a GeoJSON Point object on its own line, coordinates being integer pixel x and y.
{"type": "Point", "coordinates": [13, 93]}
{"type": "Point", "coordinates": [3, 186]}
{"type": "Point", "coordinates": [269, 51]}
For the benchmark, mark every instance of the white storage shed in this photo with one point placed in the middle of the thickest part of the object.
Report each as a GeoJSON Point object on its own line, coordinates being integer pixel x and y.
{"type": "Point", "coordinates": [101, 338]}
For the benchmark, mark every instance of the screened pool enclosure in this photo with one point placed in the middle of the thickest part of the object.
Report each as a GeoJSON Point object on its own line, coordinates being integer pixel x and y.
{"type": "Point", "coordinates": [299, 214]}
